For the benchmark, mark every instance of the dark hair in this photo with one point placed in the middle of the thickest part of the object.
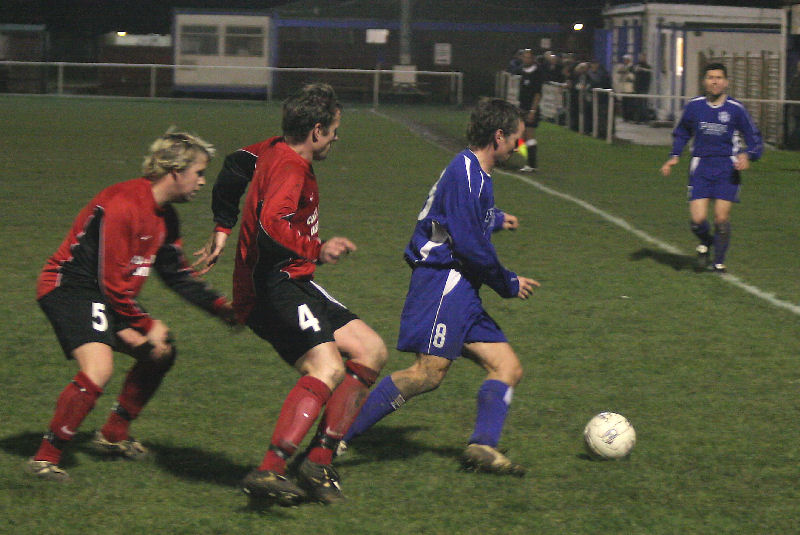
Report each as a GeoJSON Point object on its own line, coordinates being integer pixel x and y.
{"type": "Point", "coordinates": [311, 104]}
{"type": "Point", "coordinates": [489, 116]}
{"type": "Point", "coordinates": [715, 67]}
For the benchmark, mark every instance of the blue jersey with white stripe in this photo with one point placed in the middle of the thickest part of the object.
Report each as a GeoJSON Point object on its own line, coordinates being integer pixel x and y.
{"type": "Point", "coordinates": [455, 226]}
{"type": "Point", "coordinates": [717, 130]}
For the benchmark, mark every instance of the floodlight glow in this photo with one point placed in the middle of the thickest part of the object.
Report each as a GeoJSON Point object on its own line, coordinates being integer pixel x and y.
{"type": "Point", "coordinates": [122, 34]}
{"type": "Point", "coordinates": [578, 26]}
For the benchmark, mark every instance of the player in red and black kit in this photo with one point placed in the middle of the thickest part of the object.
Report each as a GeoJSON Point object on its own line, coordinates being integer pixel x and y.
{"type": "Point", "coordinates": [275, 295]}
{"type": "Point", "coordinates": [88, 291]}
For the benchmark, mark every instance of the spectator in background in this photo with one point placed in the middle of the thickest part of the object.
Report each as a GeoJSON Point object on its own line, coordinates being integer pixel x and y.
{"type": "Point", "coordinates": [552, 68]}
{"type": "Point", "coordinates": [624, 84]}
{"type": "Point", "coordinates": [793, 93]}
{"type": "Point", "coordinates": [515, 64]}
{"type": "Point", "coordinates": [576, 83]}
{"type": "Point", "coordinates": [643, 74]}
{"type": "Point", "coordinates": [596, 78]}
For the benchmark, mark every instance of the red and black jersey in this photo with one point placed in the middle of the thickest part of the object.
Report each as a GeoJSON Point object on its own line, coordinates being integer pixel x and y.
{"type": "Point", "coordinates": [280, 222]}
{"type": "Point", "coordinates": [114, 243]}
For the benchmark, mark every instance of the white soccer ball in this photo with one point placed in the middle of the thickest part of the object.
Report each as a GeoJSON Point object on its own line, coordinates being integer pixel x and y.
{"type": "Point", "coordinates": [609, 436]}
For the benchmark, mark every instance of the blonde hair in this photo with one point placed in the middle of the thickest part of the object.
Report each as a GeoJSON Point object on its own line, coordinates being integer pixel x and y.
{"type": "Point", "coordinates": [174, 151]}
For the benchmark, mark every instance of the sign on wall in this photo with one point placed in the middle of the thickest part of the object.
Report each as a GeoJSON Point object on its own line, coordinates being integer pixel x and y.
{"type": "Point", "coordinates": [442, 53]}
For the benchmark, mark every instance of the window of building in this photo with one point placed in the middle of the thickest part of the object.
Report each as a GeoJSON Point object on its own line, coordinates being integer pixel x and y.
{"type": "Point", "coordinates": [199, 40]}
{"type": "Point", "coordinates": [244, 41]}
{"type": "Point", "coordinates": [377, 36]}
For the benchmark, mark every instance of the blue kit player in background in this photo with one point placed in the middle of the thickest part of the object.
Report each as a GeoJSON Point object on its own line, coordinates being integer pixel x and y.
{"type": "Point", "coordinates": [717, 123]}
{"type": "Point", "coordinates": [443, 318]}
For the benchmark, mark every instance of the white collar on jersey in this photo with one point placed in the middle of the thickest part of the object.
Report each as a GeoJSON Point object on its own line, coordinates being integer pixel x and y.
{"type": "Point", "coordinates": [717, 105]}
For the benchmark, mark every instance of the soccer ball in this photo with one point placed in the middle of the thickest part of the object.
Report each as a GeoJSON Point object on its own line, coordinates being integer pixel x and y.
{"type": "Point", "coordinates": [609, 436]}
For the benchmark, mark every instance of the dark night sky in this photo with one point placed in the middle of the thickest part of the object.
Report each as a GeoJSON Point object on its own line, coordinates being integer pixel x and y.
{"type": "Point", "coordinates": [94, 17]}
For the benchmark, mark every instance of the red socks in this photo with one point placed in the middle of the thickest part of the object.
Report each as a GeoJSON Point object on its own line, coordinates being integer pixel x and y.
{"type": "Point", "coordinates": [140, 384]}
{"type": "Point", "coordinates": [341, 412]}
{"type": "Point", "coordinates": [299, 411]}
{"type": "Point", "coordinates": [74, 404]}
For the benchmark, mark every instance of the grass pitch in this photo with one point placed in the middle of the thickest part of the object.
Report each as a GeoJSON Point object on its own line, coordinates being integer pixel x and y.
{"type": "Point", "coordinates": [704, 370]}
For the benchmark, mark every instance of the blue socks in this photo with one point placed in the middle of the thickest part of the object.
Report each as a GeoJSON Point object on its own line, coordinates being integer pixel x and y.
{"type": "Point", "coordinates": [494, 397]}
{"type": "Point", "coordinates": [722, 238]}
{"type": "Point", "coordinates": [703, 232]}
{"type": "Point", "coordinates": [384, 399]}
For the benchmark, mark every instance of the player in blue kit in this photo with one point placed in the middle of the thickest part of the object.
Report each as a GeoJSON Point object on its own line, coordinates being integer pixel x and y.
{"type": "Point", "coordinates": [718, 124]}
{"type": "Point", "coordinates": [452, 255]}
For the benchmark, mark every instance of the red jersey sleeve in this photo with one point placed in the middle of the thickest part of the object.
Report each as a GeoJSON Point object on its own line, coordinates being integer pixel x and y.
{"type": "Point", "coordinates": [279, 203]}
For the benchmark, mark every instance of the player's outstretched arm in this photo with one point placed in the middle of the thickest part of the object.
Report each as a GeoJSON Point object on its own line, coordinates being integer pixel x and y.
{"type": "Point", "coordinates": [526, 287]}
{"type": "Point", "coordinates": [333, 249]}
{"type": "Point", "coordinates": [210, 252]}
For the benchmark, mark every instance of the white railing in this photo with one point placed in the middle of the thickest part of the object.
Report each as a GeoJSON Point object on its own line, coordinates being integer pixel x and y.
{"type": "Point", "coordinates": [770, 124]}
{"type": "Point", "coordinates": [152, 80]}
{"type": "Point", "coordinates": [597, 107]}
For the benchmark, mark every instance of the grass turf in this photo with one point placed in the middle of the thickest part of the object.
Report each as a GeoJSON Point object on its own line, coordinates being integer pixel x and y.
{"type": "Point", "coordinates": [704, 371]}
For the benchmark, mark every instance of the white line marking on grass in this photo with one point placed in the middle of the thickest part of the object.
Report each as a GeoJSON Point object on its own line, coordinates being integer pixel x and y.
{"type": "Point", "coordinates": [727, 277]}
{"type": "Point", "coordinates": [595, 210]}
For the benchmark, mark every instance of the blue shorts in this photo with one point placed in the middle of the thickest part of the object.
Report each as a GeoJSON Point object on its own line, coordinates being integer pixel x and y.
{"type": "Point", "coordinates": [713, 178]}
{"type": "Point", "coordinates": [442, 312]}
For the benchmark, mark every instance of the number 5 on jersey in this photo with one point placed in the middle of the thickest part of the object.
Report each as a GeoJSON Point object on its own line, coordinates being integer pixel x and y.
{"type": "Point", "coordinates": [306, 319]}
{"type": "Point", "coordinates": [99, 319]}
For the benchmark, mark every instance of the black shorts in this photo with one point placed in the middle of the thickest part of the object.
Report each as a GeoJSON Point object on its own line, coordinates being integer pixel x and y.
{"type": "Point", "coordinates": [535, 122]}
{"type": "Point", "coordinates": [81, 316]}
{"type": "Point", "coordinates": [295, 316]}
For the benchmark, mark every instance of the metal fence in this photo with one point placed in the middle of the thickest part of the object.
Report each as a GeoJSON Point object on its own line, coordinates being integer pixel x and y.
{"type": "Point", "coordinates": [156, 80]}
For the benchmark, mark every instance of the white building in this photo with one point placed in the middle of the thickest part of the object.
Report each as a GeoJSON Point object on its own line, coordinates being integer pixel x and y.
{"type": "Point", "coordinates": [238, 41]}
{"type": "Point", "coordinates": [678, 39]}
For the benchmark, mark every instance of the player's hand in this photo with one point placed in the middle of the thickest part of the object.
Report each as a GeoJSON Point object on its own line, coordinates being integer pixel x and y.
{"type": "Point", "coordinates": [210, 252]}
{"type": "Point", "coordinates": [133, 343]}
{"type": "Point", "coordinates": [161, 339]}
{"type": "Point", "coordinates": [666, 169]}
{"type": "Point", "coordinates": [226, 314]}
{"type": "Point", "coordinates": [140, 346]}
{"type": "Point", "coordinates": [526, 287]}
{"type": "Point", "coordinates": [332, 250]}
{"type": "Point", "coordinates": [510, 222]}
{"type": "Point", "coordinates": [742, 162]}
{"type": "Point", "coordinates": [131, 339]}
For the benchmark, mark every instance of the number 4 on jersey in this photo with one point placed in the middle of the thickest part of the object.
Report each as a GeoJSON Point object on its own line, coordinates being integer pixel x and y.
{"type": "Point", "coordinates": [306, 319]}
